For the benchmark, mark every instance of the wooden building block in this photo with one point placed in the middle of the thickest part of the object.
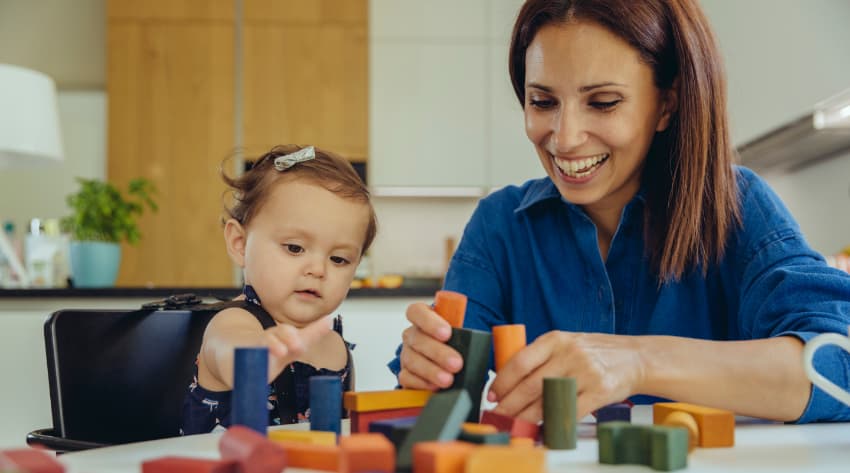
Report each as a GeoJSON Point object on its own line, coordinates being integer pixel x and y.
{"type": "Point", "coordinates": [253, 452]}
{"type": "Point", "coordinates": [451, 306]}
{"type": "Point", "coordinates": [522, 442]}
{"type": "Point", "coordinates": [363, 453]}
{"type": "Point", "coordinates": [360, 421]}
{"type": "Point", "coordinates": [441, 457]}
{"type": "Point", "coordinates": [325, 403]}
{"type": "Point", "coordinates": [515, 427]}
{"type": "Point", "coordinates": [474, 347]}
{"type": "Point", "coordinates": [476, 428]}
{"type": "Point", "coordinates": [317, 437]}
{"type": "Point", "coordinates": [188, 465]}
{"type": "Point", "coordinates": [250, 388]}
{"type": "Point", "coordinates": [506, 459]}
{"type": "Point", "coordinates": [29, 460]}
{"type": "Point", "coordinates": [669, 448]}
{"type": "Point", "coordinates": [387, 426]}
{"type": "Point", "coordinates": [612, 412]}
{"type": "Point", "coordinates": [497, 438]}
{"type": "Point", "coordinates": [441, 419]}
{"type": "Point", "coordinates": [687, 421]}
{"type": "Point", "coordinates": [312, 456]}
{"type": "Point", "coordinates": [370, 401]}
{"type": "Point", "coordinates": [716, 426]}
{"type": "Point", "coordinates": [507, 341]}
{"type": "Point", "coordinates": [559, 413]}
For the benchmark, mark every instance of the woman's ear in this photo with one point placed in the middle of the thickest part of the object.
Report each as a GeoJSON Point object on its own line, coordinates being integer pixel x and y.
{"type": "Point", "coordinates": [669, 105]}
{"type": "Point", "coordinates": [235, 238]}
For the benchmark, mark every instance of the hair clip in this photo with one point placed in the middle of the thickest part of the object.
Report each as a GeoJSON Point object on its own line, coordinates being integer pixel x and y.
{"type": "Point", "coordinates": [282, 163]}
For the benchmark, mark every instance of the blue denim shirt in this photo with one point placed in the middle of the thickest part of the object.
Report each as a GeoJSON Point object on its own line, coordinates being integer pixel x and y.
{"type": "Point", "coordinates": [527, 256]}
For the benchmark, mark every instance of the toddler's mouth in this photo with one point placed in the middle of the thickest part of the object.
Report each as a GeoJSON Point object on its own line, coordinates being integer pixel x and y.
{"type": "Point", "coordinates": [309, 292]}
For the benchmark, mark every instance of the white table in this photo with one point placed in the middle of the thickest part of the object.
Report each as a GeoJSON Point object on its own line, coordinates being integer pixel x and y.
{"type": "Point", "coordinates": [759, 447]}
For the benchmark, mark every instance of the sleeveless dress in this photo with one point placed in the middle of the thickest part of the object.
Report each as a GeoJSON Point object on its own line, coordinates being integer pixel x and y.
{"type": "Point", "coordinates": [289, 394]}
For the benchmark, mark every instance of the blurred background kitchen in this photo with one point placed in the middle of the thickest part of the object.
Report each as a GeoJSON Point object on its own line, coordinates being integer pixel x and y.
{"type": "Point", "coordinates": [415, 93]}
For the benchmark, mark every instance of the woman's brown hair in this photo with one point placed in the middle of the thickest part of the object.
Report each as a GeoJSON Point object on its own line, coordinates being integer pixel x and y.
{"type": "Point", "coordinates": [250, 190]}
{"type": "Point", "coordinates": [692, 195]}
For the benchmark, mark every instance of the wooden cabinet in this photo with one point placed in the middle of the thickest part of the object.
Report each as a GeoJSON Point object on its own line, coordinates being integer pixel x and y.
{"type": "Point", "coordinates": [172, 69]}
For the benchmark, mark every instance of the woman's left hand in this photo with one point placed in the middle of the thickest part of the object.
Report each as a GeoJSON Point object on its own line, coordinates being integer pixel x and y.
{"type": "Point", "coordinates": [607, 369]}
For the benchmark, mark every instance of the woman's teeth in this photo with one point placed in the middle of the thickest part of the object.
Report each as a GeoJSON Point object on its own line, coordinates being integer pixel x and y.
{"type": "Point", "coordinates": [580, 167]}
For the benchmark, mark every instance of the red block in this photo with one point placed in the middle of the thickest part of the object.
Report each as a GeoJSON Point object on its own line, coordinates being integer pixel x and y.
{"type": "Point", "coordinates": [188, 465]}
{"type": "Point", "coordinates": [360, 420]}
{"type": "Point", "coordinates": [516, 427]}
{"type": "Point", "coordinates": [29, 460]}
{"type": "Point", "coordinates": [253, 452]}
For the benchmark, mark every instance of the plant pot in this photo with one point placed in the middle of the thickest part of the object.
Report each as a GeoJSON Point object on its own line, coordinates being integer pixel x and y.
{"type": "Point", "coordinates": [94, 263]}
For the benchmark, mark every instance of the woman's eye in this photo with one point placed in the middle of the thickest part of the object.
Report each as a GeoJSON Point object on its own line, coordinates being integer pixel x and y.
{"type": "Point", "coordinates": [294, 249]}
{"type": "Point", "coordinates": [604, 105]}
{"type": "Point", "coordinates": [339, 260]}
{"type": "Point", "coordinates": [542, 104]}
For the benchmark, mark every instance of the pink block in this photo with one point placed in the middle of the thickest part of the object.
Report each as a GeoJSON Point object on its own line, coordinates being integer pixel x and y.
{"type": "Point", "coordinates": [516, 427]}
{"type": "Point", "coordinates": [29, 460]}
{"type": "Point", "coordinates": [188, 465]}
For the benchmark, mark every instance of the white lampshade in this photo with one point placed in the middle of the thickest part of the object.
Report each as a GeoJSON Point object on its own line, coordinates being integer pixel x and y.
{"type": "Point", "coordinates": [29, 119]}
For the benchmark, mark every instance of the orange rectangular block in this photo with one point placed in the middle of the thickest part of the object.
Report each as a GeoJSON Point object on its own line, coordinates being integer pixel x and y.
{"type": "Point", "coordinates": [367, 453]}
{"type": "Point", "coordinates": [367, 401]}
{"type": "Point", "coordinates": [360, 420]}
{"type": "Point", "coordinates": [507, 341]}
{"type": "Point", "coordinates": [506, 459]}
{"type": "Point", "coordinates": [441, 457]}
{"type": "Point", "coordinates": [306, 436]}
{"type": "Point", "coordinates": [451, 306]}
{"type": "Point", "coordinates": [479, 429]}
{"type": "Point", "coordinates": [312, 456]}
{"type": "Point", "coordinates": [716, 426]}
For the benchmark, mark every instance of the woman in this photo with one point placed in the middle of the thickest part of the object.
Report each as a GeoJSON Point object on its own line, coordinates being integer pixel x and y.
{"type": "Point", "coordinates": [646, 263]}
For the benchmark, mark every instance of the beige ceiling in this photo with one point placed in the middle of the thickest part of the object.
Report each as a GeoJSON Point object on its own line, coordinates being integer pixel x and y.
{"type": "Point", "coordinates": [62, 38]}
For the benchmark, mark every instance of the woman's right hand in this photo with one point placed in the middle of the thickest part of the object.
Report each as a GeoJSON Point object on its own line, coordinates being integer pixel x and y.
{"type": "Point", "coordinates": [426, 361]}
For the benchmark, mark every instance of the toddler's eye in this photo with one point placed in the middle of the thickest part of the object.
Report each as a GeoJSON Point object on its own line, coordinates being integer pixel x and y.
{"type": "Point", "coordinates": [294, 249]}
{"type": "Point", "coordinates": [339, 260]}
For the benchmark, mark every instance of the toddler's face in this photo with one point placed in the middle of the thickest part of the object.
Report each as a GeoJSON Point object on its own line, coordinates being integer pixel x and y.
{"type": "Point", "coordinates": [301, 250]}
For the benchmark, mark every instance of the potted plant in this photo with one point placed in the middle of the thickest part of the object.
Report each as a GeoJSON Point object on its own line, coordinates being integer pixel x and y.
{"type": "Point", "coordinates": [101, 219]}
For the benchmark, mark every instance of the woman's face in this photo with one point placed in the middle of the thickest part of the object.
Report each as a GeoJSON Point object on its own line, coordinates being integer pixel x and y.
{"type": "Point", "coordinates": [591, 110]}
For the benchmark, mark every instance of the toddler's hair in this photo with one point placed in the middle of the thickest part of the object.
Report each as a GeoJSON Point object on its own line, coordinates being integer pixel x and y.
{"type": "Point", "coordinates": [250, 190]}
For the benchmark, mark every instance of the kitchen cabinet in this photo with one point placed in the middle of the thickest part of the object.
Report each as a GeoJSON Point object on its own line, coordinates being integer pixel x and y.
{"type": "Point", "coordinates": [189, 86]}
{"type": "Point", "coordinates": [441, 106]}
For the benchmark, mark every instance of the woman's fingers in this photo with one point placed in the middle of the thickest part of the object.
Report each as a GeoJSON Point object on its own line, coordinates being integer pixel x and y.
{"type": "Point", "coordinates": [424, 318]}
{"type": "Point", "coordinates": [509, 383]}
{"type": "Point", "coordinates": [429, 359]}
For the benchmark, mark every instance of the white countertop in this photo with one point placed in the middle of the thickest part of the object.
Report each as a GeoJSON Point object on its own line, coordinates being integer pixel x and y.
{"type": "Point", "coordinates": [759, 447]}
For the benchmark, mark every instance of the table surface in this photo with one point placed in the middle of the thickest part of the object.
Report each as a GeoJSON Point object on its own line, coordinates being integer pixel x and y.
{"type": "Point", "coordinates": [759, 447]}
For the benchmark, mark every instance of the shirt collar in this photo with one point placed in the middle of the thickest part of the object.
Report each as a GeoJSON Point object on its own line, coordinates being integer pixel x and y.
{"type": "Point", "coordinates": [544, 189]}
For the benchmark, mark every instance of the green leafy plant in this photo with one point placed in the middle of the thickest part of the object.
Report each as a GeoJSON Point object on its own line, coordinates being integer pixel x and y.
{"type": "Point", "coordinates": [102, 213]}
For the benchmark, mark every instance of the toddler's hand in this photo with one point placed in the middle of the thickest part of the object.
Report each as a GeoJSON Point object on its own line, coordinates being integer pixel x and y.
{"type": "Point", "coordinates": [286, 343]}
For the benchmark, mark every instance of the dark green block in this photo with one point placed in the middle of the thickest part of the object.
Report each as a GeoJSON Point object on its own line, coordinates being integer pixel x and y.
{"type": "Point", "coordinates": [398, 434]}
{"type": "Point", "coordinates": [669, 448]}
{"type": "Point", "coordinates": [559, 413]}
{"type": "Point", "coordinates": [474, 346]}
{"type": "Point", "coordinates": [635, 445]}
{"type": "Point", "coordinates": [440, 420]}
{"type": "Point", "coordinates": [608, 437]}
{"type": "Point", "coordinates": [498, 438]}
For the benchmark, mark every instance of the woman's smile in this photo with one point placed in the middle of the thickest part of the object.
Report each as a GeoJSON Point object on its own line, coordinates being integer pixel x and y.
{"type": "Point", "coordinates": [579, 170]}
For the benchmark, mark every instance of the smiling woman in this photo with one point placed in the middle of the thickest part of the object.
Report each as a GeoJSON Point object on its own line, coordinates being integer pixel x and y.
{"type": "Point", "coordinates": [645, 263]}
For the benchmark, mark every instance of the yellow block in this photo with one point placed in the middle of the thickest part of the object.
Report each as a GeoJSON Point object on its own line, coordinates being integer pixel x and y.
{"type": "Point", "coordinates": [504, 459]}
{"type": "Point", "coordinates": [716, 426]}
{"type": "Point", "coordinates": [370, 401]}
{"type": "Point", "coordinates": [479, 429]}
{"type": "Point", "coordinates": [313, 437]}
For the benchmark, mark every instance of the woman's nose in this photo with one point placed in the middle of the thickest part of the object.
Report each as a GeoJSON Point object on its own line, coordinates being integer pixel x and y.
{"type": "Point", "coordinates": [568, 131]}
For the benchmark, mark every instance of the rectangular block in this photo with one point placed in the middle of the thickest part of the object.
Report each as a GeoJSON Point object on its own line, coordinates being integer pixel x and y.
{"type": "Point", "coordinates": [716, 426]}
{"type": "Point", "coordinates": [369, 401]}
{"type": "Point", "coordinates": [253, 452]}
{"type": "Point", "coordinates": [385, 427]}
{"type": "Point", "coordinates": [29, 460]}
{"type": "Point", "coordinates": [360, 420]}
{"type": "Point", "coordinates": [363, 453]}
{"type": "Point", "coordinates": [497, 438]}
{"type": "Point", "coordinates": [317, 437]}
{"type": "Point", "coordinates": [612, 412]}
{"type": "Point", "coordinates": [669, 448]}
{"type": "Point", "coordinates": [506, 459]}
{"type": "Point", "coordinates": [559, 413]}
{"type": "Point", "coordinates": [441, 457]}
{"type": "Point", "coordinates": [515, 427]}
{"type": "Point", "coordinates": [186, 465]}
{"type": "Point", "coordinates": [312, 456]}
{"type": "Point", "coordinates": [325, 403]}
{"type": "Point", "coordinates": [441, 419]}
{"type": "Point", "coordinates": [475, 428]}
{"type": "Point", "coordinates": [474, 347]}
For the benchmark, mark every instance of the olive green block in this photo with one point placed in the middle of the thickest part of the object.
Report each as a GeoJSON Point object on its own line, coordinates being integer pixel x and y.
{"type": "Point", "coordinates": [559, 413]}
{"type": "Point", "coordinates": [441, 419]}
{"type": "Point", "coordinates": [669, 448]}
{"type": "Point", "coordinates": [474, 347]}
{"type": "Point", "coordinates": [635, 445]}
{"type": "Point", "coordinates": [498, 438]}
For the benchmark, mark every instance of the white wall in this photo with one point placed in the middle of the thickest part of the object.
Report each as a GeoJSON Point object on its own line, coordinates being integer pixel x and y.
{"type": "Point", "coordinates": [26, 193]}
{"type": "Point", "coordinates": [783, 56]}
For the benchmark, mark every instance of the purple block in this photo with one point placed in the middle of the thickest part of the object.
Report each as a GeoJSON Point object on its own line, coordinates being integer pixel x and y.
{"type": "Point", "coordinates": [386, 426]}
{"type": "Point", "coordinates": [613, 412]}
